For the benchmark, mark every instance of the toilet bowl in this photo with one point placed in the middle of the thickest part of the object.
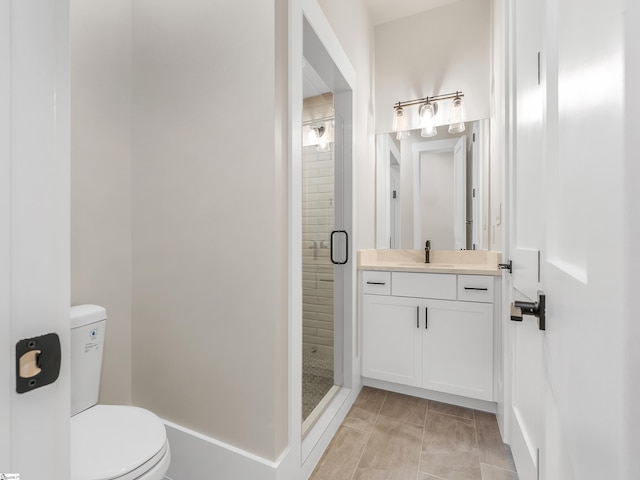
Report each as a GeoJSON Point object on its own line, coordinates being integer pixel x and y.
{"type": "Point", "coordinates": [108, 442]}
{"type": "Point", "coordinates": [118, 442]}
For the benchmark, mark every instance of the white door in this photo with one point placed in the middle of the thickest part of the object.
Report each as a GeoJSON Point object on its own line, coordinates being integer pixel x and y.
{"type": "Point", "coordinates": [568, 404]}
{"type": "Point", "coordinates": [525, 358]}
{"type": "Point", "coordinates": [34, 230]}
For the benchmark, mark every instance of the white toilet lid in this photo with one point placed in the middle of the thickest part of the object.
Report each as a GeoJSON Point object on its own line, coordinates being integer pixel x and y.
{"type": "Point", "coordinates": [109, 441]}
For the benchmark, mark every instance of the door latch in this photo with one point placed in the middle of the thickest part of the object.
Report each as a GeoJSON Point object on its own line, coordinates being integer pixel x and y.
{"type": "Point", "coordinates": [37, 362]}
{"type": "Point", "coordinates": [537, 309]}
{"type": "Point", "coordinates": [506, 266]}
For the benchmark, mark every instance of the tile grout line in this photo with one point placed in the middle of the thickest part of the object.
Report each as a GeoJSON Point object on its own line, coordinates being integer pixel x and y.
{"type": "Point", "coordinates": [424, 432]}
{"type": "Point", "coordinates": [355, 470]}
{"type": "Point", "coordinates": [499, 468]}
{"type": "Point", "coordinates": [475, 429]}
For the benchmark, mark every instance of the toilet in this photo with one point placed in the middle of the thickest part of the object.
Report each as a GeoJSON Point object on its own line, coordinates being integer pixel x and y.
{"type": "Point", "coordinates": [108, 442]}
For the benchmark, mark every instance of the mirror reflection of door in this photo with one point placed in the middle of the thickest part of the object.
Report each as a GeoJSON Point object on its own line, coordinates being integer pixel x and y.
{"type": "Point", "coordinates": [439, 193]}
{"type": "Point", "coordinates": [474, 185]}
{"type": "Point", "coordinates": [394, 207]}
{"type": "Point", "coordinates": [436, 199]}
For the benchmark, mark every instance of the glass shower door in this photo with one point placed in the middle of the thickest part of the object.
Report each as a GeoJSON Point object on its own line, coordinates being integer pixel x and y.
{"type": "Point", "coordinates": [318, 220]}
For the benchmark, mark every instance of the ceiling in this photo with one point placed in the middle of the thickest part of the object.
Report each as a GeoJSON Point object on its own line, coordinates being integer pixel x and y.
{"type": "Point", "coordinates": [383, 11]}
{"type": "Point", "coordinates": [380, 11]}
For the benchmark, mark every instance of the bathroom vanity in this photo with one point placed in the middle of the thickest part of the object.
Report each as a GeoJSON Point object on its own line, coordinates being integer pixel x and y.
{"type": "Point", "coordinates": [433, 327]}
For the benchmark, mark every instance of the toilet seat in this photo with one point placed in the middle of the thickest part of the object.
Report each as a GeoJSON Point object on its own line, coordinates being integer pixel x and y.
{"type": "Point", "coordinates": [110, 442]}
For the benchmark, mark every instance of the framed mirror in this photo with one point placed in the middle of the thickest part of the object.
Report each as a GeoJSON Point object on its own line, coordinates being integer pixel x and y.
{"type": "Point", "coordinates": [435, 189]}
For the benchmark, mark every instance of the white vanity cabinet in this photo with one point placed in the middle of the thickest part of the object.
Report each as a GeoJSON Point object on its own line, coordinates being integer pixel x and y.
{"type": "Point", "coordinates": [433, 331]}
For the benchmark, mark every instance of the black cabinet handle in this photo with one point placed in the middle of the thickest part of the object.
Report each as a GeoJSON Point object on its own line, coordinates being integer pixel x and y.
{"type": "Point", "coordinates": [418, 317]}
{"type": "Point", "coordinates": [376, 283]}
{"type": "Point", "coordinates": [480, 289]}
{"type": "Point", "coordinates": [426, 318]}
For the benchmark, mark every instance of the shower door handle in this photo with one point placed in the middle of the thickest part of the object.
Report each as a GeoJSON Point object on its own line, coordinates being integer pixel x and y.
{"type": "Point", "coordinates": [346, 236]}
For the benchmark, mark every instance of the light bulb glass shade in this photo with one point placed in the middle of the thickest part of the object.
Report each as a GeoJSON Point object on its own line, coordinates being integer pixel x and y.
{"type": "Point", "coordinates": [400, 134]}
{"type": "Point", "coordinates": [429, 131]}
{"type": "Point", "coordinates": [399, 120]}
{"type": "Point", "coordinates": [323, 145]}
{"type": "Point", "coordinates": [456, 127]}
{"type": "Point", "coordinates": [427, 113]}
{"type": "Point", "coordinates": [457, 111]}
{"type": "Point", "coordinates": [312, 136]}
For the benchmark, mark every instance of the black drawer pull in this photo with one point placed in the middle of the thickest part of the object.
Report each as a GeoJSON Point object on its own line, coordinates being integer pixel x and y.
{"type": "Point", "coordinates": [418, 316]}
{"type": "Point", "coordinates": [481, 289]}
{"type": "Point", "coordinates": [376, 283]}
{"type": "Point", "coordinates": [426, 318]}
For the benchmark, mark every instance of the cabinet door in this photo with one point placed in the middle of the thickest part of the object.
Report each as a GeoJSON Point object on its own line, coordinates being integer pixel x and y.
{"type": "Point", "coordinates": [392, 339]}
{"type": "Point", "coordinates": [458, 348]}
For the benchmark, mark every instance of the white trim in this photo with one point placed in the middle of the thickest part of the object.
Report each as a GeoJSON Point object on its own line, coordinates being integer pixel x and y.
{"type": "Point", "coordinates": [315, 433]}
{"type": "Point", "coordinates": [449, 398]}
{"type": "Point", "coordinates": [38, 165]}
{"type": "Point", "coordinates": [294, 465]}
{"type": "Point", "coordinates": [5, 234]}
{"type": "Point", "coordinates": [195, 456]}
{"type": "Point", "coordinates": [385, 147]}
{"type": "Point", "coordinates": [460, 169]}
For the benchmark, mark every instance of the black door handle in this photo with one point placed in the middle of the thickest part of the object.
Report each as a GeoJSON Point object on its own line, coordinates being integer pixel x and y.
{"type": "Point", "coordinates": [346, 236]}
{"type": "Point", "coordinates": [536, 309]}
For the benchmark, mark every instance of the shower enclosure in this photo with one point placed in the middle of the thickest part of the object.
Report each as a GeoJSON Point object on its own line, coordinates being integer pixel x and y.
{"type": "Point", "coordinates": [318, 201]}
{"type": "Point", "coordinates": [325, 176]}
{"type": "Point", "coordinates": [324, 245]}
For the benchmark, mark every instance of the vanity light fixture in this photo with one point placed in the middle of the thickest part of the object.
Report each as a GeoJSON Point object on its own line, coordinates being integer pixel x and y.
{"type": "Point", "coordinates": [457, 117]}
{"type": "Point", "coordinates": [427, 112]}
{"type": "Point", "coordinates": [400, 123]}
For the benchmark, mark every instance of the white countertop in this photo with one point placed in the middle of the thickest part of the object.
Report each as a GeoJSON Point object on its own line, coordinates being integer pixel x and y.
{"type": "Point", "coordinates": [467, 262]}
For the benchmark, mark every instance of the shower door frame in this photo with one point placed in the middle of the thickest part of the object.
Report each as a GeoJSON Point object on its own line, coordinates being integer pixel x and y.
{"type": "Point", "coordinates": [308, 450]}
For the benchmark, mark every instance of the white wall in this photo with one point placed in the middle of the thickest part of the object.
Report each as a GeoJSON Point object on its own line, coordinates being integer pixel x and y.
{"type": "Point", "coordinates": [101, 178]}
{"type": "Point", "coordinates": [209, 219]}
{"type": "Point", "coordinates": [436, 52]}
{"type": "Point", "coordinates": [350, 22]}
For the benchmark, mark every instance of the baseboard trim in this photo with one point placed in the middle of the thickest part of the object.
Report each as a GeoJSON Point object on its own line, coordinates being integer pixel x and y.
{"type": "Point", "coordinates": [195, 456]}
{"type": "Point", "coordinates": [482, 405]}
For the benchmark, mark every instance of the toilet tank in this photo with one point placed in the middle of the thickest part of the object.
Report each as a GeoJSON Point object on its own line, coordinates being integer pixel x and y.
{"type": "Point", "coordinates": [88, 324]}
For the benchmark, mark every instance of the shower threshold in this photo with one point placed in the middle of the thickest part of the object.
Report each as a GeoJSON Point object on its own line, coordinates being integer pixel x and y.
{"type": "Point", "coordinates": [315, 414]}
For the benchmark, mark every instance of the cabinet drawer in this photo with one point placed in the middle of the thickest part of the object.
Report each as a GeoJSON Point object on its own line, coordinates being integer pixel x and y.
{"type": "Point", "coordinates": [475, 288]}
{"type": "Point", "coordinates": [376, 283]}
{"type": "Point", "coordinates": [424, 285]}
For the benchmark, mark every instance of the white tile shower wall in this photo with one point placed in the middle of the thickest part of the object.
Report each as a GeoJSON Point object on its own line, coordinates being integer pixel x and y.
{"type": "Point", "coordinates": [317, 270]}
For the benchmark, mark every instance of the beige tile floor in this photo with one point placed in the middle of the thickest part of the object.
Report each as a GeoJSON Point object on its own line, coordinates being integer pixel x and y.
{"type": "Point", "coordinates": [389, 436]}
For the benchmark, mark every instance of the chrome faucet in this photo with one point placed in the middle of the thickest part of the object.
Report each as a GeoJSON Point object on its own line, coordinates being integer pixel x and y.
{"type": "Point", "coordinates": [427, 249]}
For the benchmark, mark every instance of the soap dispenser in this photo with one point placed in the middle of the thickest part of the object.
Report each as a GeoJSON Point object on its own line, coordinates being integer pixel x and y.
{"type": "Point", "coordinates": [427, 249]}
